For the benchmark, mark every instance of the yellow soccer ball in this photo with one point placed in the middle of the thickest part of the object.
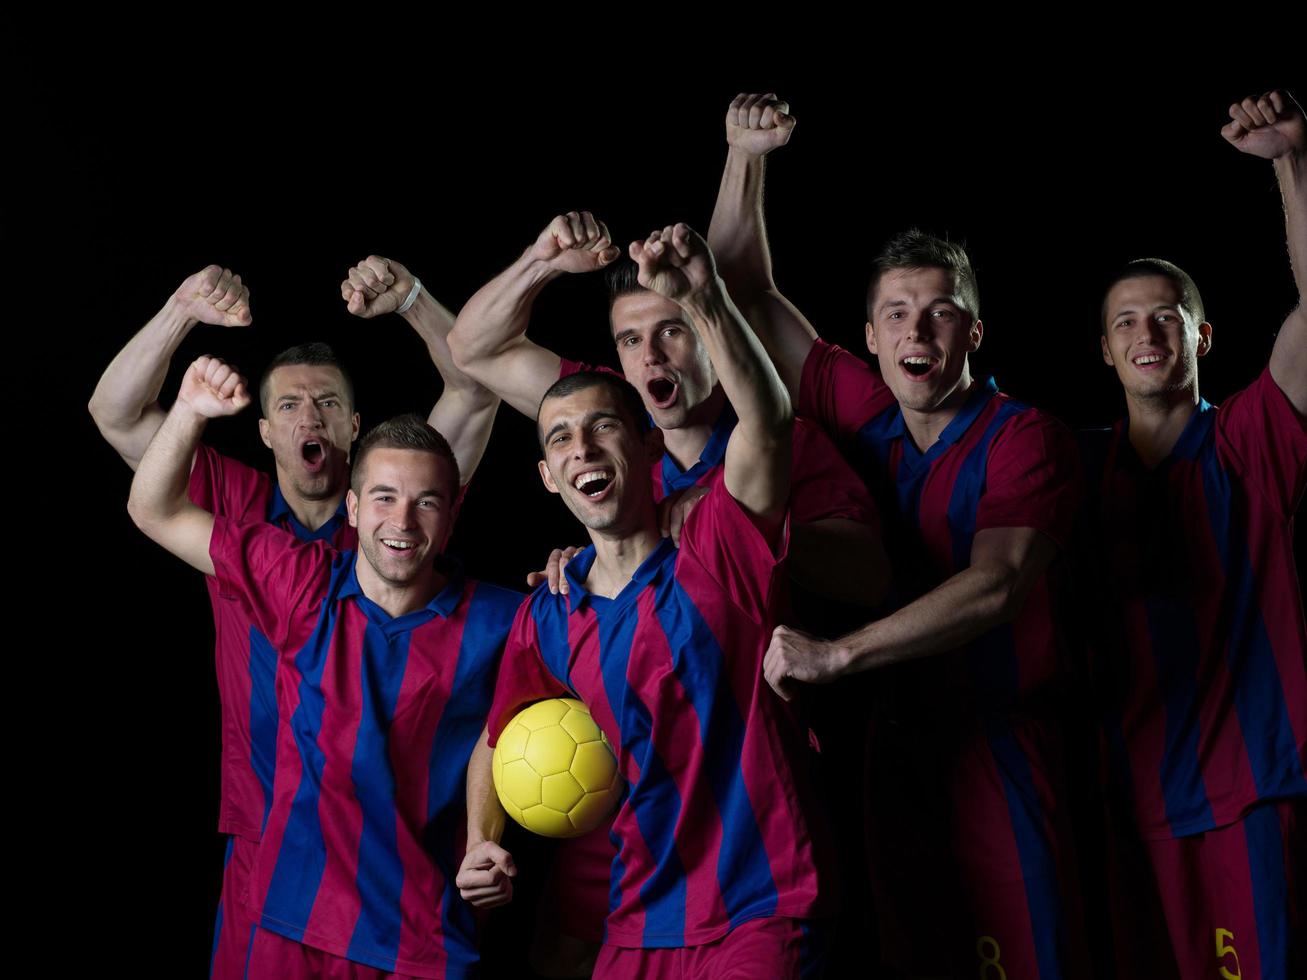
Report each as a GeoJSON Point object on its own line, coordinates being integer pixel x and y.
{"type": "Point", "coordinates": [554, 771]}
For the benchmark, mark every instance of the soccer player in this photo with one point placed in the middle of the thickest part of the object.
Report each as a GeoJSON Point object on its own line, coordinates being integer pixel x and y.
{"type": "Point", "coordinates": [309, 423]}
{"type": "Point", "coordinates": [717, 868]}
{"type": "Point", "coordinates": [972, 864]}
{"type": "Point", "coordinates": [385, 664]}
{"type": "Point", "coordinates": [1202, 642]}
{"type": "Point", "coordinates": [835, 548]}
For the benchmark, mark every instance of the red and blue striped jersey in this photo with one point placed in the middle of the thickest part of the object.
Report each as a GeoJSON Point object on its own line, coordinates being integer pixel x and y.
{"type": "Point", "coordinates": [998, 463]}
{"type": "Point", "coordinates": [378, 717]}
{"type": "Point", "coordinates": [822, 484]}
{"type": "Point", "coordinates": [715, 828]}
{"type": "Point", "coordinates": [1201, 647]}
{"type": "Point", "coordinates": [245, 661]}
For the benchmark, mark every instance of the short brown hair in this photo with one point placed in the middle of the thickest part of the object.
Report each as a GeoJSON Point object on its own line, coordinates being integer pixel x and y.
{"type": "Point", "coordinates": [402, 432]}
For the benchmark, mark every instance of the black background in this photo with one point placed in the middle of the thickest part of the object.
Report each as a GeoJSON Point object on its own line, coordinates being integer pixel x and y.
{"type": "Point", "coordinates": [1051, 180]}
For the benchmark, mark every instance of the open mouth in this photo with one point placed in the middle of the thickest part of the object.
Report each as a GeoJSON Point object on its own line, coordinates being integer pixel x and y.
{"type": "Point", "coordinates": [594, 484]}
{"type": "Point", "coordinates": [1148, 360]}
{"type": "Point", "coordinates": [313, 453]}
{"type": "Point", "coordinates": [662, 391]}
{"type": "Point", "coordinates": [918, 365]}
{"type": "Point", "coordinates": [398, 546]}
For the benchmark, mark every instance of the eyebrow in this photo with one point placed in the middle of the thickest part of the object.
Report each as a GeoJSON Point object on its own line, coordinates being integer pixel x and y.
{"type": "Point", "coordinates": [589, 419]}
{"type": "Point", "coordinates": [666, 321]}
{"type": "Point", "coordinates": [382, 488]}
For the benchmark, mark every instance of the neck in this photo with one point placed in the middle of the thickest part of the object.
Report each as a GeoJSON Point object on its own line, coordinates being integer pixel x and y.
{"type": "Point", "coordinates": [925, 426]}
{"type": "Point", "coordinates": [312, 513]}
{"type": "Point", "coordinates": [686, 443]}
{"type": "Point", "coordinates": [399, 600]}
{"type": "Point", "coordinates": [617, 556]}
{"type": "Point", "coordinates": [1157, 422]}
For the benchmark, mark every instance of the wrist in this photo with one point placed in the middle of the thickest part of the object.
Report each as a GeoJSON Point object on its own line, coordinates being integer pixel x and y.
{"type": "Point", "coordinates": [707, 303]}
{"type": "Point", "coordinates": [738, 156]}
{"type": "Point", "coordinates": [1292, 166]}
{"type": "Point", "coordinates": [176, 318]}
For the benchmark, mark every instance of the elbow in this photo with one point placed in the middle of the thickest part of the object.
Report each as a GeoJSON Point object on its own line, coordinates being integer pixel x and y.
{"type": "Point", "coordinates": [458, 350]}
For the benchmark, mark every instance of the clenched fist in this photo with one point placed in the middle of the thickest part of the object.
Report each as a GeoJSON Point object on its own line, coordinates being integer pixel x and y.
{"type": "Point", "coordinates": [758, 124]}
{"type": "Point", "coordinates": [212, 388]}
{"type": "Point", "coordinates": [214, 295]}
{"type": "Point", "coordinates": [575, 242]}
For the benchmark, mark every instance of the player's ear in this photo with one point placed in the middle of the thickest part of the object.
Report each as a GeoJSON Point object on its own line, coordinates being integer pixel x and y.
{"type": "Point", "coordinates": [653, 444]}
{"type": "Point", "coordinates": [354, 428]}
{"type": "Point", "coordinates": [352, 507]}
{"type": "Point", "coordinates": [871, 337]}
{"type": "Point", "coordinates": [1204, 338]}
{"type": "Point", "coordinates": [1107, 351]}
{"type": "Point", "coordinates": [975, 336]}
{"type": "Point", "coordinates": [264, 429]}
{"type": "Point", "coordinates": [546, 476]}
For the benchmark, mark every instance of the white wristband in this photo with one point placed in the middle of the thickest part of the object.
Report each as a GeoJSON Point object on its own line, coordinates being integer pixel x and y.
{"type": "Point", "coordinates": [409, 300]}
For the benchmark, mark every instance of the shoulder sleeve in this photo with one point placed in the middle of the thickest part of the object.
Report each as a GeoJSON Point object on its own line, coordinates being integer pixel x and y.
{"type": "Point", "coordinates": [567, 367]}
{"type": "Point", "coordinates": [523, 676]}
{"type": "Point", "coordinates": [225, 487]}
{"type": "Point", "coordinates": [721, 539]}
{"type": "Point", "coordinates": [1032, 477]}
{"type": "Point", "coordinates": [1260, 436]}
{"type": "Point", "coordinates": [839, 391]}
{"type": "Point", "coordinates": [277, 576]}
{"type": "Point", "coordinates": [825, 486]}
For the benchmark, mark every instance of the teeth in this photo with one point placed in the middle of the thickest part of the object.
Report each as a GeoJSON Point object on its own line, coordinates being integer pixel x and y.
{"type": "Point", "coordinates": [916, 359]}
{"type": "Point", "coordinates": [401, 545]}
{"type": "Point", "coordinates": [1148, 359]}
{"type": "Point", "coordinates": [586, 478]}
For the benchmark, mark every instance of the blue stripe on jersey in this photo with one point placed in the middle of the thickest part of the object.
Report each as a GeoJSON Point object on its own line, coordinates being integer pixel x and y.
{"type": "Point", "coordinates": [297, 874]}
{"type": "Point", "coordinates": [1034, 850]}
{"type": "Point", "coordinates": [380, 875]}
{"type": "Point", "coordinates": [714, 452]}
{"type": "Point", "coordinates": [1259, 697]}
{"type": "Point", "coordinates": [1261, 829]}
{"type": "Point", "coordinates": [878, 433]}
{"type": "Point", "coordinates": [489, 616]}
{"type": "Point", "coordinates": [550, 614]}
{"type": "Point", "coordinates": [263, 715]}
{"type": "Point", "coordinates": [217, 922]}
{"type": "Point", "coordinates": [1173, 636]}
{"type": "Point", "coordinates": [654, 798]}
{"type": "Point", "coordinates": [618, 871]}
{"type": "Point", "coordinates": [743, 869]}
{"type": "Point", "coordinates": [964, 499]}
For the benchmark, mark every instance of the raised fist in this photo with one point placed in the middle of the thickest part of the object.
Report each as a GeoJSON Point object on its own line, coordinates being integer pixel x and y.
{"type": "Point", "coordinates": [375, 286]}
{"type": "Point", "coordinates": [213, 388]}
{"type": "Point", "coordinates": [214, 295]}
{"type": "Point", "coordinates": [757, 124]}
{"type": "Point", "coordinates": [1267, 126]}
{"type": "Point", "coordinates": [675, 262]}
{"type": "Point", "coordinates": [575, 242]}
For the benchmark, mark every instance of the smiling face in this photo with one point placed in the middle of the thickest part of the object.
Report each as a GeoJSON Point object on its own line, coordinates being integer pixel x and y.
{"type": "Point", "coordinates": [1151, 339]}
{"type": "Point", "coordinates": [597, 458]}
{"type": "Point", "coordinates": [921, 335]}
{"type": "Point", "coordinates": [404, 512]}
{"type": "Point", "coordinates": [309, 425]}
{"type": "Point", "coordinates": [662, 357]}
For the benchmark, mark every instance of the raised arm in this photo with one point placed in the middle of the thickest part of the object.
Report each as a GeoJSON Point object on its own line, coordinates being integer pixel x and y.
{"type": "Point", "coordinates": [125, 404]}
{"type": "Point", "coordinates": [1272, 127]}
{"type": "Point", "coordinates": [677, 264]}
{"type": "Point", "coordinates": [756, 125]}
{"type": "Point", "coordinates": [158, 502]}
{"type": "Point", "coordinates": [485, 878]}
{"type": "Point", "coordinates": [465, 412]}
{"type": "Point", "coordinates": [1005, 564]}
{"type": "Point", "coordinates": [489, 338]}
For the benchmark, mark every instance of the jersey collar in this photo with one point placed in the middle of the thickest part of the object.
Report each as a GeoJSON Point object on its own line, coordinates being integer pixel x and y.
{"type": "Point", "coordinates": [280, 514]}
{"type": "Point", "coordinates": [442, 604]}
{"type": "Point", "coordinates": [1191, 438]}
{"type": "Point", "coordinates": [579, 568]}
{"type": "Point", "coordinates": [675, 478]}
{"type": "Point", "coordinates": [979, 396]}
